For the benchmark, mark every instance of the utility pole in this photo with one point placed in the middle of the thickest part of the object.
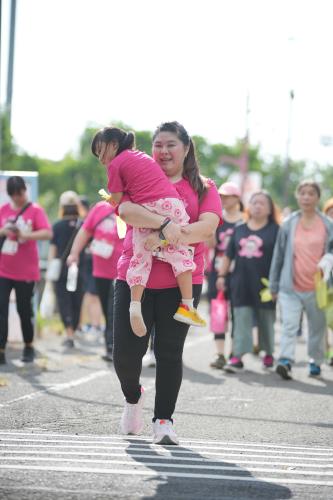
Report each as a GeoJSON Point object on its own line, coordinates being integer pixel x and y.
{"type": "Point", "coordinates": [9, 95]}
{"type": "Point", "coordinates": [287, 161]}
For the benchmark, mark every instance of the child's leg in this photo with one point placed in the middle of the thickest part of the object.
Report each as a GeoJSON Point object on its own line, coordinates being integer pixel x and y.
{"type": "Point", "coordinates": [137, 276]}
{"type": "Point", "coordinates": [186, 312]}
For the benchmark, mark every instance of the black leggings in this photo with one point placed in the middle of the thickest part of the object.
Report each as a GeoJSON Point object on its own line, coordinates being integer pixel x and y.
{"type": "Point", "coordinates": [24, 292]}
{"type": "Point", "coordinates": [105, 289]}
{"type": "Point", "coordinates": [158, 308]}
{"type": "Point", "coordinates": [69, 303]}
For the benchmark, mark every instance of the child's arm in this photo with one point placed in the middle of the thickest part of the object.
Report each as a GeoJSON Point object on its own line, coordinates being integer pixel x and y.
{"type": "Point", "coordinates": [112, 198]}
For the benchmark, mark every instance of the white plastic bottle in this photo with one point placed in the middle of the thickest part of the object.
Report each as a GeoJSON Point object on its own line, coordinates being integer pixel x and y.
{"type": "Point", "coordinates": [72, 275]}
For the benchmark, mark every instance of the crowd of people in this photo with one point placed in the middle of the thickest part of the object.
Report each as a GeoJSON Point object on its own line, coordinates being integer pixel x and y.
{"type": "Point", "coordinates": [181, 230]}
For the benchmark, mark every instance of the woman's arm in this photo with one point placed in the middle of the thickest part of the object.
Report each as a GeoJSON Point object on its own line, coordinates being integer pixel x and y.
{"type": "Point", "coordinates": [202, 230]}
{"type": "Point", "coordinates": [80, 241]}
{"type": "Point", "coordinates": [222, 272]}
{"type": "Point", "coordinates": [52, 252]}
{"type": "Point", "coordinates": [39, 235]}
{"type": "Point", "coordinates": [139, 216]}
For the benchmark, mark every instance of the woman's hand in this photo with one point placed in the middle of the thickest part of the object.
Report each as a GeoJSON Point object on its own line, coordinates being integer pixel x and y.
{"type": "Point", "coordinates": [153, 241]}
{"type": "Point", "coordinates": [220, 282]}
{"type": "Point", "coordinates": [173, 233]}
{"type": "Point", "coordinates": [72, 259]}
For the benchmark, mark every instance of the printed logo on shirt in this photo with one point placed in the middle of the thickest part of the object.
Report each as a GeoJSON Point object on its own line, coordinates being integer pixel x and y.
{"type": "Point", "coordinates": [251, 247]}
{"type": "Point", "coordinates": [224, 238]}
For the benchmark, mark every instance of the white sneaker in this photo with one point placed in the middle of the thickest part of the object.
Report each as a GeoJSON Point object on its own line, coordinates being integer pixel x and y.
{"type": "Point", "coordinates": [132, 419]}
{"type": "Point", "coordinates": [149, 360]}
{"type": "Point", "coordinates": [164, 432]}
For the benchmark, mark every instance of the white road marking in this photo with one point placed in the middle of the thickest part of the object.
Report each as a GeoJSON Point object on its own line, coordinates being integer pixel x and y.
{"type": "Point", "coordinates": [152, 473]}
{"type": "Point", "coordinates": [73, 444]}
{"type": "Point", "coordinates": [135, 463]}
{"type": "Point", "coordinates": [79, 437]}
{"type": "Point", "coordinates": [58, 387]}
{"type": "Point", "coordinates": [165, 455]}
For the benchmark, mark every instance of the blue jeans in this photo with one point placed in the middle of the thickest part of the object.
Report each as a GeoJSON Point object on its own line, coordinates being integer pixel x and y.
{"type": "Point", "coordinates": [242, 329]}
{"type": "Point", "coordinates": [292, 304]}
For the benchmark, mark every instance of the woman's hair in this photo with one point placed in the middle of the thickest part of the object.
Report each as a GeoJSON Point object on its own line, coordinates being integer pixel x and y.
{"type": "Point", "coordinates": [15, 185]}
{"type": "Point", "coordinates": [191, 170]}
{"type": "Point", "coordinates": [310, 183]}
{"type": "Point", "coordinates": [69, 205]}
{"type": "Point", "coordinates": [108, 135]}
{"type": "Point", "coordinates": [273, 212]}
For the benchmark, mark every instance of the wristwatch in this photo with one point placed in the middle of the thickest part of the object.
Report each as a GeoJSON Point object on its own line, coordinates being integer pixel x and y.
{"type": "Point", "coordinates": [162, 226]}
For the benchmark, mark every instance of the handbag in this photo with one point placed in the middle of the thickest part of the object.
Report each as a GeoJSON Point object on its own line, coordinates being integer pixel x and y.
{"type": "Point", "coordinates": [219, 314]}
{"type": "Point", "coordinates": [23, 209]}
{"type": "Point", "coordinates": [48, 303]}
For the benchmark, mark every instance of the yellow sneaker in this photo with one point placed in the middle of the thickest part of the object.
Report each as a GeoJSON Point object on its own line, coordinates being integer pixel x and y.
{"type": "Point", "coordinates": [189, 315]}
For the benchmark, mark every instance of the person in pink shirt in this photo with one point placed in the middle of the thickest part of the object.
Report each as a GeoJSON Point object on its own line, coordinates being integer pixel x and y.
{"type": "Point", "coordinates": [174, 152]}
{"type": "Point", "coordinates": [100, 228]}
{"type": "Point", "coordinates": [138, 176]}
{"type": "Point", "coordinates": [22, 224]}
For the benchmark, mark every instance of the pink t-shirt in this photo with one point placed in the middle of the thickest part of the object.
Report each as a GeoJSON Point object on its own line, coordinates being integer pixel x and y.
{"type": "Point", "coordinates": [105, 238]}
{"type": "Point", "coordinates": [309, 245]}
{"type": "Point", "coordinates": [139, 176]}
{"type": "Point", "coordinates": [23, 265]}
{"type": "Point", "coordinates": [161, 275]}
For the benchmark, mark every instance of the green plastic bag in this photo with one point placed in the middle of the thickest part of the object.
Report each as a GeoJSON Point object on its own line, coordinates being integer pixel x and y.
{"type": "Point", "coordinates": [321, 291]}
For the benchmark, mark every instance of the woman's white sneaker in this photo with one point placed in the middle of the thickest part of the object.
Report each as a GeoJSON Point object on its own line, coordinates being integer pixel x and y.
{"type": "Point", "coordinates": [132, 418]}
{"type": "Point", "coordinates": [164, 432]}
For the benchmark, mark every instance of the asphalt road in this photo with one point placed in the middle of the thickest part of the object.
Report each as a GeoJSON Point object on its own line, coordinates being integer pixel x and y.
{"type": "Point", "coordinates": [245, 436]}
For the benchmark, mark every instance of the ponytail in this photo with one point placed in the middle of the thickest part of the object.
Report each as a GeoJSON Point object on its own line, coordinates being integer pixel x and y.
{"type": "Point", "coordinates": [108, 135]}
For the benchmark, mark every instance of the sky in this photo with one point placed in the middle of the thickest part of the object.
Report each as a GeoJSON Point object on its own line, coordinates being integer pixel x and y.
{"type": "Point", "coordinates": [91, 62]}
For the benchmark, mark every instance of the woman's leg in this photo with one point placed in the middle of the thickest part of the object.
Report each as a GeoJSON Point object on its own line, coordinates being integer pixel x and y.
{"type": "Point", "coordinates": [129, 349]}
{"type": "Point", "coordinates": [105, 291]}
{"type": "Point", "coordinates": [317, 328]}
{"type": "Point", "coordinates": [6, 286]}
{"type": "Point", "coordinates": [64, 301]}
{"type": "Point", "coordinates": [77, 298]}
{"type": "Point", "coordinates": [24, 292]}
{"type": "Point", "coordinates": [266, 321]}
{"type": "Point", "coordinates": [242, 320]}
{"type": "Point", "coordinates": [291, 311]}
{"type": "Point", "coordinates": [169, 342]}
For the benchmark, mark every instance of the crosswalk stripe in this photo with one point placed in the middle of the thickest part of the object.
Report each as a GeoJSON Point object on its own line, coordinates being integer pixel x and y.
{"type": "Point", "coordinates": [83, 444]}
{"type": "Point", "coordinates": [152, 473]}
{"type": "Point", "coordinates": [79, 437]}
{"type": "Point", "coordinates": [130, 462]}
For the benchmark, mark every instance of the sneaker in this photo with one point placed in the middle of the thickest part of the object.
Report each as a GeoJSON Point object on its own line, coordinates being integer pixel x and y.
{"type": "Point", "coordinates": [219, 363]}
{"type": "Point", "coordinates": [69, 343]}
{"type": "Point", "coordinates": [164, 432]}
{"type": "Point", "coordinates": [234, 365]}
{"type": "Point", "coordinates": [28, 354]}
{"type": "Point", "coordinates": [132, 419]}
{"type": "Point", "coordinates": [149, 360]}
{"type": "Point", "coordinates": [268, 361]}
{"type": "Point", "coordinates": [2, 358]}
{"type": "Point", "coordinates": [189, 315]}
{"type": "Point", "coordinates": [284, 368]}
{"type": "Point", "coordinates": [314, 370]}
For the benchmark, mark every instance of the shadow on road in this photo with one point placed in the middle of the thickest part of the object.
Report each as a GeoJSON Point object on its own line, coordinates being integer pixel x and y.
{"type": "Point", "coordinates": [244, 486]}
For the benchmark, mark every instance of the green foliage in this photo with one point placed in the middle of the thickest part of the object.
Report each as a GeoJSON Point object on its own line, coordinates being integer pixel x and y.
{"type": "Point", "coordinates": [83, 173]}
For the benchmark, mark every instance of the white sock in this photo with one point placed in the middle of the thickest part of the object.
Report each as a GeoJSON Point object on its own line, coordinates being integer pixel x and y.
{"type": "Point", "coordinates": [136, 319]}
{"type": "Point", "coordinates": [188, 302]}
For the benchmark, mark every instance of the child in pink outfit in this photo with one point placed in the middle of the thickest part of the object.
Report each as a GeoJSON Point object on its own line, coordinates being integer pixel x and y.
{"type": "Point", "coordinates": [141, 178]}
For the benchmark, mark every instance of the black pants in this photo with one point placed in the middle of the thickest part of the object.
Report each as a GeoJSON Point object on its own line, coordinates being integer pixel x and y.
{"type": "Point", "coordinates": [105, 289]}
{"type": "Point", "coordinates": [158, 308]}
{"type": "Point", "coordinates": [24, 292]}
{"type": "Point", "coordinates": [69, 303]}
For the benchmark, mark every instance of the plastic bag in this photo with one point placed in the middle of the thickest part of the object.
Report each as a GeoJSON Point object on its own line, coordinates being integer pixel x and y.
{"type": "Point", "coordinates": [321, 290]}
{"type": "Point", "coordinates": [48, 302]}
{"type": "Point", "coordinates": [219, 314]}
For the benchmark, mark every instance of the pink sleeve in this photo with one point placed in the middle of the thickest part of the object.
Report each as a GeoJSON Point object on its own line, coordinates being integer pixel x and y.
{"type": "Point", "coordinates": [115, 182]}
{"type": "Point", "coordinates": [211, 201]}
{"type": "Point", "coordinates": [40, 219]}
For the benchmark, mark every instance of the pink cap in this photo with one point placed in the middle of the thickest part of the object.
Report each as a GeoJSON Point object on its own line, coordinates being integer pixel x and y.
{"type": "Point", "coordinates": [229, 189]}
